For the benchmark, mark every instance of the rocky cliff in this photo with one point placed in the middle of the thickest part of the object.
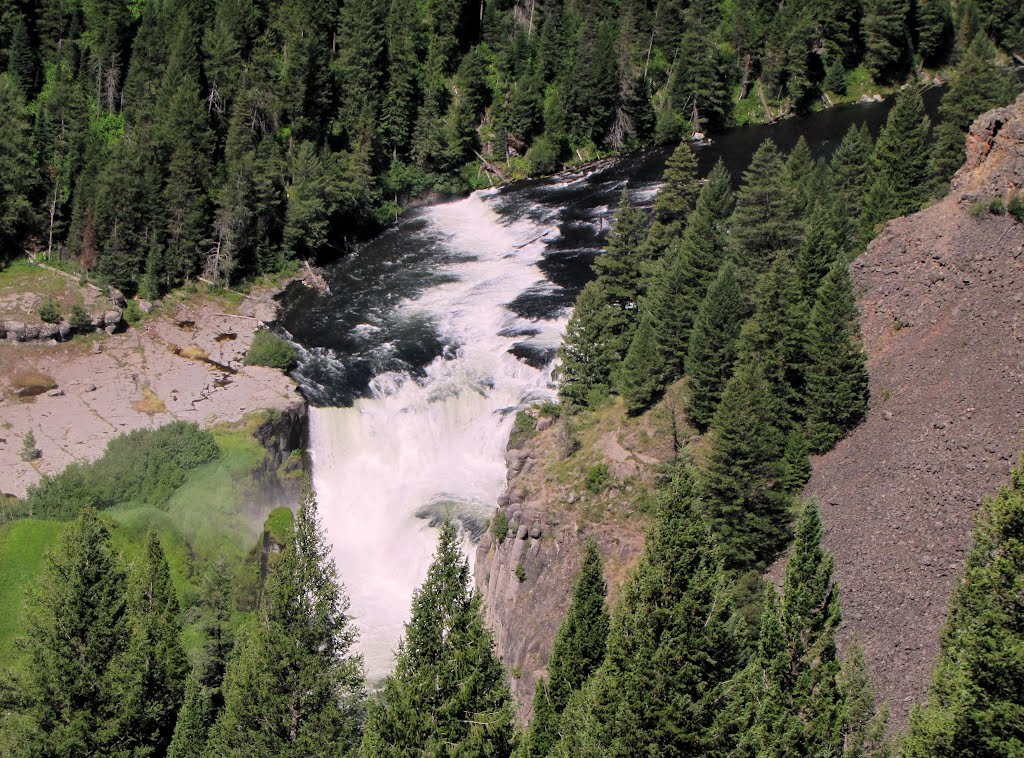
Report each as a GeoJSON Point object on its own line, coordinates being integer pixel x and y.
{"type": "Point", "coordinates": [942, 312]}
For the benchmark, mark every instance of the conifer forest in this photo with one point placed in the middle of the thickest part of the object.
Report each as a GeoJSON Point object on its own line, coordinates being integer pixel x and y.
{"type": "Point", "coordinates": [150, 145]}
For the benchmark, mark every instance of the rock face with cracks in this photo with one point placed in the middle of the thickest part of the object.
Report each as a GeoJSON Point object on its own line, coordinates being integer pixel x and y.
{"type": "Point", "coordinates": [942, 314]}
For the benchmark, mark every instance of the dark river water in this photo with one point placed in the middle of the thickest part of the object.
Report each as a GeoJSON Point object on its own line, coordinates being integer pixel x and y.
{"type": "Point", "coordinates": [359, 331]}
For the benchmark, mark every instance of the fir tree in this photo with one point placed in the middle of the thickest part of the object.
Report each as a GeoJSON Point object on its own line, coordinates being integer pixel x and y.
{"type": "Point", "coordinates": [932, 22]}
{"type": "Point", "coordinates": [21, 60]}
{"type": "Point", "coordinates": [16, 168]}
{"type": "Point", "coordinates": [675, 200]}
{"type": "Point", "coordinates": [849, 171]}
{"type": "Point", "coordinates": [578, 650]}
{"type": "Point", "coordinates": [899, 165]}
{"type": "Point", "coordinates": [152, 679]}
{"type": "Point", "coordinates": [292, 686]}
{"type": "Point", "coordinates": [827, 236]}
{"type": "Point", "coordinates": [799, 177]}
{"type": "Point", "coordinates": [885, 38]}
{"type": "Point", "coordinates": [864, 725]}
{"type": "Point", "coordinates": [77, 634]}
{"type": "Point", "coordinates": [588, 352]}
{"type": "Point", "coordinates": [837, 379]}
{"type": "Point", "coordinates": [678, 285]}
{"type": "Point", "coordinates": [641, 375]}
{"type": "Point", "coordinates": [743, 495]}
{"type": "Point", "coordinates": [764, 223]}
{"type": "Point", "coordinates": [976, 706]}
{"type": "Point", "coordinates": [796, 465]}
{"type": "Point", "coordinates": [447, 694]}
{"type": "Point", "coordinates": [712, 345]}
{"type": "Point", "coordinates": [671, 647]}
{"type": "Point", "coordinates": [618, 267]}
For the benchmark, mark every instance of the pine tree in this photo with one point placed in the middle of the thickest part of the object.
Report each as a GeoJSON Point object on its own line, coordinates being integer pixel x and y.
{"type": "Point", "coordinates": [588, 352]}
{"type": "Point", "coordinates": [641, 375]}
{"type": "Point", "coordinates": [678, 285]}
{"type": "Point", "coordinates": [837, 378]}
{"type": "Point", "coordinates": [16, 168]}
{"type": "Point", "coordinates": [826, 239]}
{"type": "Point", "coordinates": [152, 670]}
{"type": "Point", "coordinates": [864, 725]}
{"type": "Point", "coordinates": [743, 495]}
{"type": "Point", "coordinates": [885, 38]}
{"type": "Point", "coordinates": [680, 186]}
{"type": "Point", "coordinates": [77, 630]}
{"type": "Point", "coordinates": [899, 166]}
{"type": "Point", "coordinates": [775, 336]}
{"type": "Point", "coordinates": [292, 686]}
{"type": "Point", "coordinates": [578, 650]}
{"type": "Point", "coordinates": [796, 465]}
{"type": "Point", "coordinates": [618, 267]}
{"type": "Point", "coordinates": [447, 694]}
{"type": "Point", "coordinates": [800, 176]}
{"type": "Point", "coordinates": [21, 60]}
{"type": "Point", "coordinates": [976, 706]}
{"type": "Point", "coordinates": [671, 647]}
{"type": "Point", "coordinates": [849, 170]}
{"type": "Point", "coordinates": [932, 22]}
{"type": "Point", "coordinates": [712, 345]}
{"type": "Point", "coordinates": [764, 223]}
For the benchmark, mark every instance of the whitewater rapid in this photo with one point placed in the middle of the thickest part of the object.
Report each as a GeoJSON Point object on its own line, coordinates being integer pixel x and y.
{"type": "Point", "coordinates": [419, 448]}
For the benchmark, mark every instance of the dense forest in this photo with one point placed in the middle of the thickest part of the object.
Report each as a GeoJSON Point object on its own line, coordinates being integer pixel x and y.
{"type": "Point", "coordinates": [152, 142]}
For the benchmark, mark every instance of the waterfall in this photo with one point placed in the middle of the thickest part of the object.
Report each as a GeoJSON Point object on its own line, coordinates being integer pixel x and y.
{"type": "Point", "coordinates": [422, 447]}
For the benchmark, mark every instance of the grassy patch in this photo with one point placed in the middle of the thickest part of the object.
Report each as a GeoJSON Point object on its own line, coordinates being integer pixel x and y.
{"type": "Point", "coordinates": [267, 349]}
{"type": "Point", "coordinates": [523, 428]}
{"type": "Point", "coordinates": [150, 403]}
{"type": "Point", "coordinates": [29, 383]}
{"type": "Point", "coordinates": [193, 352]}
{"type": "Point", "coordinates": [22, 545]}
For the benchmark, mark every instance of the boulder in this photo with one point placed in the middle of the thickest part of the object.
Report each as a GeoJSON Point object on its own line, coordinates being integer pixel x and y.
{"type": "Point", "coordinates": [15, 331]}
{"type": "Point", "coordinates": [31, 332]}
{"type": "Point", "coordinates": [536, 531]}
{"type": "Point", "coordinates": [112, 317]}
{"type": "Point", "coordinates": [55, 392]}
{"type": "Point", "coordinates": [522, 533]}
{"type": "Point", "coordinates": [145, 306]}
{"type": "Point", "coordinates": [544, 424]}
{"type": "Point", "coordinates": [48, 331]}
{"type": "Point", "coordinates": [64, 330]}
{"type": "Point", "coordinates": [116, 296]}
{"type": "Point", "coordinates": [89, 388]}
{"type": "Point", "coordinates": [97, 321]}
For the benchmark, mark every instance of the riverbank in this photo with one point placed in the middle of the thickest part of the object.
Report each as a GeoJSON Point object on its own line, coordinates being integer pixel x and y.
{"type": "Point", "coordinates": [185, 362]}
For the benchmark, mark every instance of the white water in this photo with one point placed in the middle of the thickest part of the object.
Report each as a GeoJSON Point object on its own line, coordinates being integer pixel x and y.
{"type": "Point", "coordinates": [436, 443]}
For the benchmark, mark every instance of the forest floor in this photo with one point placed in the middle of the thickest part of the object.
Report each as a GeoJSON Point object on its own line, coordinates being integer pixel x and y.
{"type": "Point", "coordinates": [183, 362]}
{"type": "Point", "coordinates": [942, 314]}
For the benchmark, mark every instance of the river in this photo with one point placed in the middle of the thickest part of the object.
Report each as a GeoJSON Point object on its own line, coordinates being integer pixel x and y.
{"type": "Point", "coordinates": [437, 331]}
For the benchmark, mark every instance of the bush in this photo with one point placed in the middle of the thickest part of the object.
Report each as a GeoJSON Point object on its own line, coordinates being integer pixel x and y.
{"type": "Point", "coordinates": [49, 310]}
{"type": "Point", "coordinates": [499, 527]}
{"type": "Point", "coordinates": [977, 210]}
{"type": "Point", "coordinates": [268, 349]}
{"type": "Point", "coordinates": [997, 207]}
{"type": "Point", "coordinates": [1016, 208]}
{"type": "Point", "coordinates": [144, 467]}
{"type": "Point", "coordinates": [598, 478]}
{"type": "Point", "coordinates": [544, 156]}
{"type": "Point", "coordinates": [132, 312]}
{"type": "Point", "coordinates": [79, 317]}
{"type": "Point", "coordinates": [29, 451]}
{"type": "Point", "coordinates": [523, 428]}
{"type": "Point", "coordinates": [549, 409]}
{"type": "Point", "coordinates": [520, 572]}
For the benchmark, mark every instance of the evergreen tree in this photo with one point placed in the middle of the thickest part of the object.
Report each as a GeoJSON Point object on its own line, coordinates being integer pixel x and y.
{"type": "Point", "coordinates": [641, 375]}
{"type": "Point", "coordinates": [712, 345]}
{"type": "Point", "coordinates": [578, 650]}
{"type": "Point", "coordinates": [743, 494]}
{"type": "Point", "coordinates": [796, 465]}
{"type": "Point", "coordinates": [588, 352]}
{"type": "Point", "coordinates": [618, 267]}
{"type": "Point", "coordinates": [976, 706]}
{"type": "Point", "coordinates": [800, 176]}
{"type": "Point", "coordinates": [671, 648]}
{"type": "Point", "coordinates": [849, 171]}
{"type": "Point", "coordinates": [932, 23]}
{"type": "Point", "coordinates": [899, 165]}
{"type": "Point", "coordinates": [447, 694]}
{"type": "Point", "coordinates": [764, 223]}
{"type": "Point", "coordinates": [885, 36]}
{"type": "Point", "coordinates": [21, 59]}
{"type": "Point", "coordinates": [16, 170]}
{"type": "Point", "coordinates": [775, 336]}
{"type": "Point", "coordinates": [77, 634]}
{"type": "Point", "coordinates": [864, 725]}
{"type": "Point", "coordinates": [292, 686]}
{"type": "Point", "coordinates": [680, 186]}
{"type": "Point", "coordinates": [837, 379]}
{"type": "Point", "coordinates": [827, 237]}
{"type": "Point", "coordinates": [153, 668]}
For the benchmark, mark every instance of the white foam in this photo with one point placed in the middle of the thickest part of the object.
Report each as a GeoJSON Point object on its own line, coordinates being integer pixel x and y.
{"type": "Point", "coordinates": [441, 438]}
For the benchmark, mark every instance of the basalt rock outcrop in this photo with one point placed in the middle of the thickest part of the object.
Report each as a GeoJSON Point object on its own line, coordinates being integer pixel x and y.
{"type": "Point", "coordinates": [942, 314]}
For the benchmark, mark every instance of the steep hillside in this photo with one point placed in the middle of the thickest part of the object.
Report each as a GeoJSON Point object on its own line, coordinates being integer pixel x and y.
{"type": "Point", "coordinates": [941, 296]}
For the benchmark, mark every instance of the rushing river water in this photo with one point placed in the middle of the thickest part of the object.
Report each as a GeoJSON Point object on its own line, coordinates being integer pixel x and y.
{"type": "Point", "coordinates": [437, 331]}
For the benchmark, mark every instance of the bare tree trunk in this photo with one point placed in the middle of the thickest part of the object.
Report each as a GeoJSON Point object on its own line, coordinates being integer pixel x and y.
{"type": "Point", "coordinates": [745, 85]}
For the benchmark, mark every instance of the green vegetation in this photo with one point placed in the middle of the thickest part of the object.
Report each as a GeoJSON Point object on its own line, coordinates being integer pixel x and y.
{"type": "Point", "coordinates": [23, 544]}
{"type": "Point", "coordinates": [268, 349]}
{"type": "Point", "coordinates": [499, 527]}
{"type": "Point", "coordinates": [49, 310]}
{"type": "Point", "coordinates": [29, 451]}
{"type": "Point", "coordinates": [598, 478]}
{"type": "Point", "coordinates": [79, 317]}
{"type": "Point", "coordinates": [520, 572]}
{"type": "Point", "coordinates": [522, 429]}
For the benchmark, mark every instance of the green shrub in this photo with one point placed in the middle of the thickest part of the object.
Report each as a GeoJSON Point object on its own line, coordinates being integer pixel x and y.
{"type": "Point", "coordinates": [549, 409]}
{"type": "Point", "coordinates": [132, 312]}
{"type": "Point", "coordinates": [29, 451]}
{"type": "Point", "coordinates": [145, 466]}
{"type": "Point", "coordinates": [598, 478]}
{"type": "Point", "coordinates": [520, 572]}
{"type": "Point", "coordinates": [523, 428]}
{"type": "Point", "coordinates": [1016, 207]}
{"type": "Point", "coordinates": [997, 207]}
{"type": "Point", "coordinates": [79, 317]}
{"type": "Point", "coordinates": [977, 210]}
{"type": "Point", "coordinates": [543, 157]}
{"type": "Point", "coordinates": [268, 349]}
{"type": "Point", "coordinates": [49, 310]}
{"type": "Point", "coordinates": [499, 527]}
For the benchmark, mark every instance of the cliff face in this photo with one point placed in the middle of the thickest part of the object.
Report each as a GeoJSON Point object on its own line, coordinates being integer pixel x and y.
{"type": "Point", "coordinates": [284, 436]}
{"type": "Point", "coordinates": [943, 322]}
{"type": "Point", "coordinates": [552, 512]}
